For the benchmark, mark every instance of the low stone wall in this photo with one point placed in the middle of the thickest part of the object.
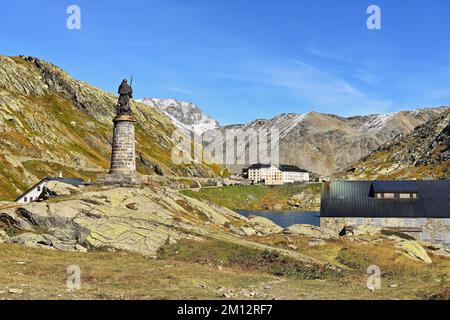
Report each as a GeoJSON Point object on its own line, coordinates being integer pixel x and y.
{"type": "Point", "coordinates": [433, 230]}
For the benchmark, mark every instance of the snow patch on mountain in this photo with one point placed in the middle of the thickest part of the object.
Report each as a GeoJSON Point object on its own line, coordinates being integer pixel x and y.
{"type": "Point", "coordinates": [186, 116]}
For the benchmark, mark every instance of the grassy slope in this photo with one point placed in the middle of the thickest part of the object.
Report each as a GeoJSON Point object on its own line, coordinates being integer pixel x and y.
{"type": "Point", "coordinates": [41, 274]}
{"type": "Point", "coordinates": [254, 197]}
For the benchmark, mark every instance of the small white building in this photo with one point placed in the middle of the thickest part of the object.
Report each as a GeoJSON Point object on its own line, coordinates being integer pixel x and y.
{"type": "Point", "coordinates": [35, 192]}
{"type": "Point", "coordinates": [272, 175]}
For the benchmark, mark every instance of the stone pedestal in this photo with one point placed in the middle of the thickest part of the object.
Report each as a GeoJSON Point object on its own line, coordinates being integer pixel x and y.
{"type": "Point", "coordinates": [123, 158]}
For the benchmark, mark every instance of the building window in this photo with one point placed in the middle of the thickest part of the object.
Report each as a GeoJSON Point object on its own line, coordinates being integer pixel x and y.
{"type": "Point", "coordinates": [39, 188]}
{"type": "Point", "coordinates": [25, 199]}
{"type": "Point", "coordinates": [396, 196]}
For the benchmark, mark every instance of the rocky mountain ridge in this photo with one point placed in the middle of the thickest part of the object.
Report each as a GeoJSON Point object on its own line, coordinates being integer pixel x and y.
{"type": "Point", "coordinates": [325, 143]}
{"type": "Point", "coordinates": [423, 153]}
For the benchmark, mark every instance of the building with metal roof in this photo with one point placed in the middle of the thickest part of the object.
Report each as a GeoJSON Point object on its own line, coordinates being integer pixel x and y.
{"type": "Point", "coordinates": [36, 192]}
{"type": "Point", "coordinates": [420, 207]}
{"type": "Point", "coordinates": [276, 175]}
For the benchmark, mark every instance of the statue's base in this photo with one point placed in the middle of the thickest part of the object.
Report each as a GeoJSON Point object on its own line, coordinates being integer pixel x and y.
{"type": "Point", "coordinates": [118, 179]}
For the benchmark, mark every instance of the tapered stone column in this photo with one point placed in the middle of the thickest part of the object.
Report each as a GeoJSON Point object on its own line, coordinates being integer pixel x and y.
{"type": "Point", "coordinates": [123, 158]}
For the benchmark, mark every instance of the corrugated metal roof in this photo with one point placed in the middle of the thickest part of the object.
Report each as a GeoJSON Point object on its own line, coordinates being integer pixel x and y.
{"type": "Point", "coordinates": [355, 199]}
{"type": "Point", "coordinates": [258, 166]}
{"type": "Point", "coordinates": [72, 181]}
{"type": "Point", "coordinates": [290, 168]}
{"type": "Point", "coordinates": [395, 186]}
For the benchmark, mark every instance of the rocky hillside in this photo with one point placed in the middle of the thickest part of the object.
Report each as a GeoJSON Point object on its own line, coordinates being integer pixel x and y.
{"type": "Point", "coordinates": [50, 122]}
{"type": "Point", "coordinates": [324, 143]}
{"type": "Point", "coordinates": [140, 220]}
{"type": "Point", "coordinates": [185, 115]}
{"type": "Point", "coordinates": [422, 154]}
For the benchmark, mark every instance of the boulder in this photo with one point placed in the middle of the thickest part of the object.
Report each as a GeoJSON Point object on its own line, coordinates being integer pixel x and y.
{"type": "Point", "coordinates": [10, 218]}
{"type": "Point", "coordinates": [264, 226]}
{"type": "Point", "coordinates": [61, 188]}
{"type": "Point", "coordinates": [248, 231]}
{"type": "Point", "coordinates": [30, 240]}
{"type": "Point", "coordinates": [412, 249]}
{"type": "Point", "coordinates": [310, 231]}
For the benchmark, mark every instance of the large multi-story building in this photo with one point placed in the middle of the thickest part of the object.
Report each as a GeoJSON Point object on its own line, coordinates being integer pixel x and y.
{"type": "Point", "coordinates": [276, 175]}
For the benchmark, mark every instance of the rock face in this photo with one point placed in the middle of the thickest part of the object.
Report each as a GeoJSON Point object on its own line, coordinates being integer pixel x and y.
{"type": "Point", "coordinates": [324, 144]}
{"type": "Point", "coordinates": [308, 200]}
{"type": "Point", "coordinates": [310, 232]}
{"type": "Point", "coordinates": [61, 189]}
{"type": "Point", "coordinates": [422, 154]}
{"type": "Point", "coordinates": [264, 226]}
{"type": "Point", "coordinates": [133, 219]}
{"type": "Point", "coordinates": [414, 250]}
{"type": "Point", "coordinates": [187, 116]}
{"type": "Point", "coordinates": [50, 122]}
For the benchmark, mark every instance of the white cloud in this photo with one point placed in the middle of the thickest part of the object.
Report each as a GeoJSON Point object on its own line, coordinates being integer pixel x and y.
{"type": "Point", "coordinates": [326, 91]}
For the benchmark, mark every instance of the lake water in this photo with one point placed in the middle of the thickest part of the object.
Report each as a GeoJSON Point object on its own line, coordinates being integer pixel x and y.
{"type": "Point", "coordinates": [285, 218]}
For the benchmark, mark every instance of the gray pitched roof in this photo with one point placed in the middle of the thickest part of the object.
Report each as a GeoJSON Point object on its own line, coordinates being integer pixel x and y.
{"type": "Point", "coordinates": [282, 167]}
{"type": "Point", "coordinates": [72, 181]}
{"type": "Point", "coordinates": [356, 199]}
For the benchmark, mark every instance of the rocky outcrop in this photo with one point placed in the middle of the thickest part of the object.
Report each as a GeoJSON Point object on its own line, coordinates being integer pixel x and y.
{"type": "Point", "coordinates": [61, 189]}
{"type": "Point", "coordinates": [264, 226]}
{"type": "Point", "coordinates": [310, 232]}
{"type": "Point", "coordinates": [308, 200]}
{"type": "Point", "coordinates": [412, 249]}
{"type": "Point", "coordinates": [138, 220]}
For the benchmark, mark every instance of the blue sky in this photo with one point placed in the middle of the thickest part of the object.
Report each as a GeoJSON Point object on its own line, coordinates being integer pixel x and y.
{"type": "Point", "coordinates": [241, 60]}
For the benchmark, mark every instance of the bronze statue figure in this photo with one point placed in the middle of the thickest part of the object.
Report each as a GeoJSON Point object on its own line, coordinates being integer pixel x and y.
{"type": "Point", "coordinates": [125, 94]}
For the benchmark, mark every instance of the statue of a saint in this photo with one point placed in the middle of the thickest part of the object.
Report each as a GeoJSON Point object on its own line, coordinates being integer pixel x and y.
{"type": "Point", "coordinates": [125, 94]}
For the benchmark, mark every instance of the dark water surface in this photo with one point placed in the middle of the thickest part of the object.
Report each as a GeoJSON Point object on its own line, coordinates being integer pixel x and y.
{"type": "Point", "coordinates": [285, 218]}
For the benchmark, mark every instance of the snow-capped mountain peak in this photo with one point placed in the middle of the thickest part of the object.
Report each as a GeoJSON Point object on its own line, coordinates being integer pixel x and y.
{"type": "Point", "coordinates": [185, 115]}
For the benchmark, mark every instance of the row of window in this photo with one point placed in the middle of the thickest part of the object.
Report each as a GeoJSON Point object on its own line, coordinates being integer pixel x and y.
{"type": "Point", "coordinates": [396, 195]}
